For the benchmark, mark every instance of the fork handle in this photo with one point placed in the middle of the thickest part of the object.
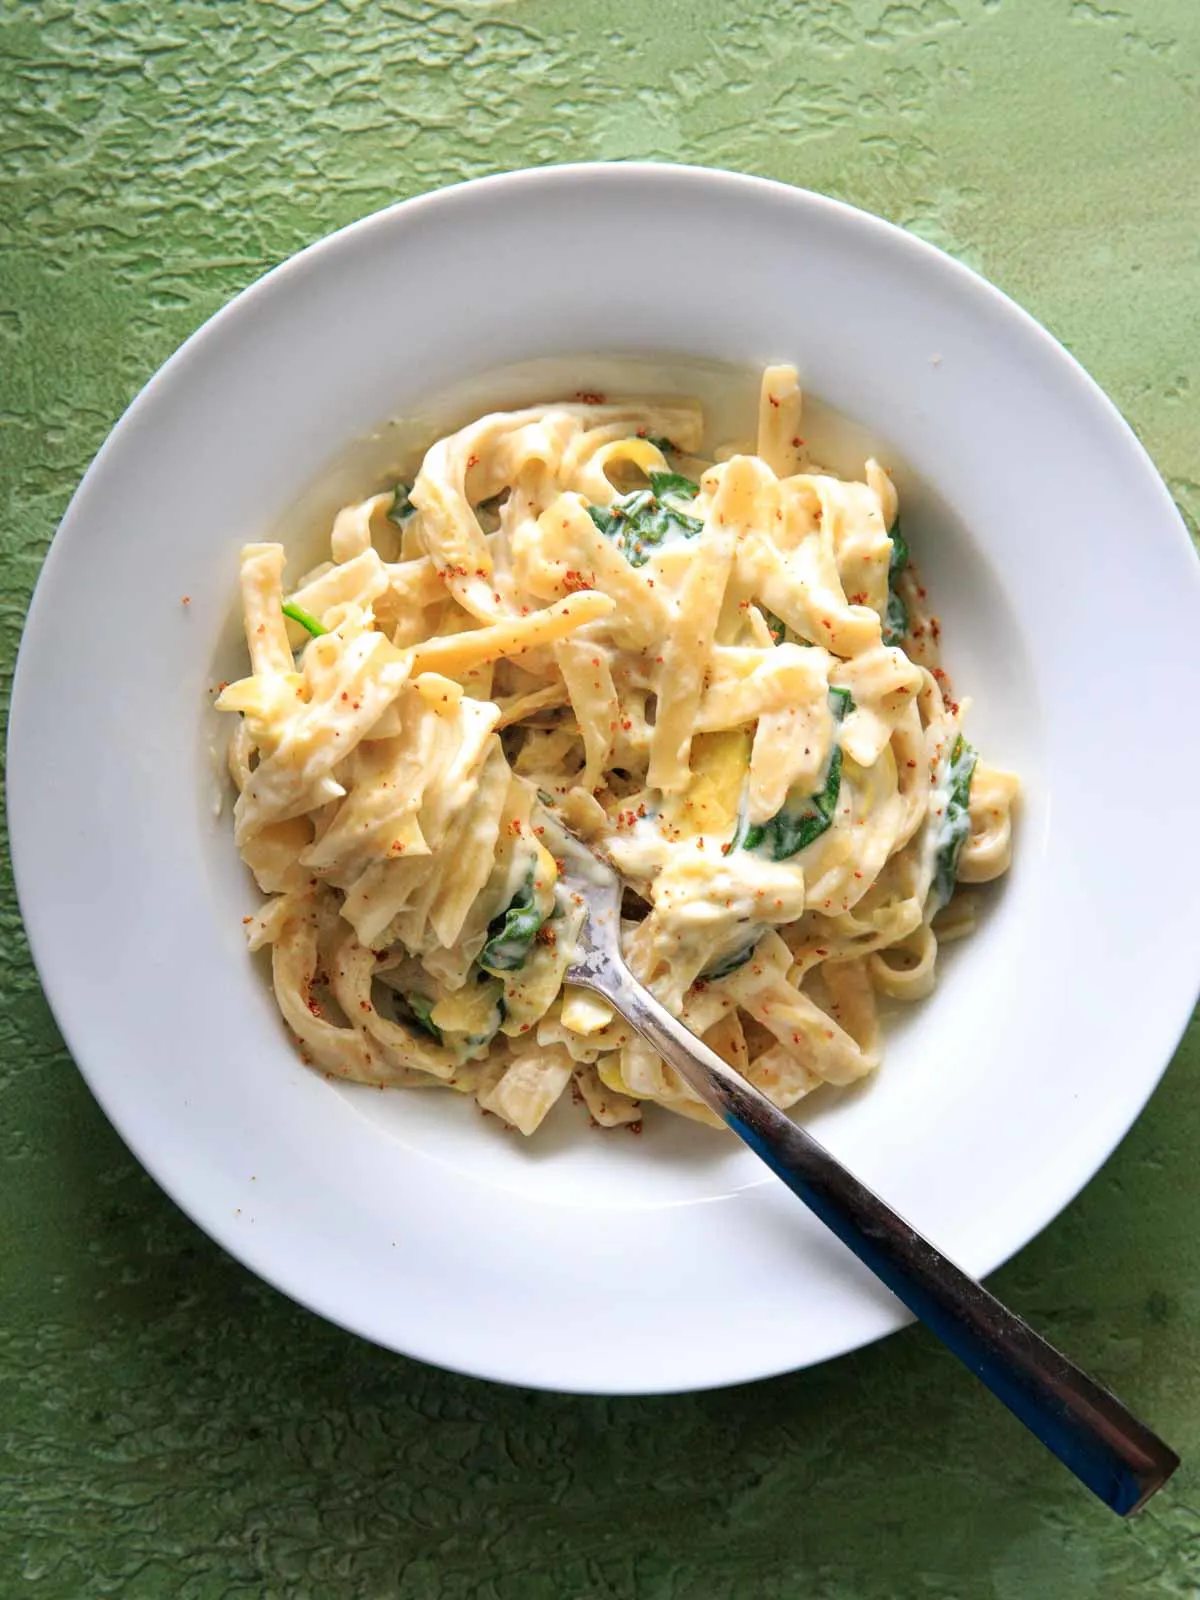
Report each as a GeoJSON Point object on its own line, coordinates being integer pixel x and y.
{"type": "Point", "coordinates": [1088, 1429]}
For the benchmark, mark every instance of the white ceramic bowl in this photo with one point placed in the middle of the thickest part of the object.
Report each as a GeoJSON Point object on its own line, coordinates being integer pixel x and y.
{"type": "Point", "coordinates": [1069, 596]}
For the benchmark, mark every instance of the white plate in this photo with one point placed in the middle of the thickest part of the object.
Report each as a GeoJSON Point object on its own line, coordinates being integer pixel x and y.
{"type": "Point", "coordinates": [1069, 596]}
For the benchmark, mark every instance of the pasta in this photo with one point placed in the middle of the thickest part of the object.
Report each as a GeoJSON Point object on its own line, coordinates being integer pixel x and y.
{"type": "Point", "coordinates": [721, 674]}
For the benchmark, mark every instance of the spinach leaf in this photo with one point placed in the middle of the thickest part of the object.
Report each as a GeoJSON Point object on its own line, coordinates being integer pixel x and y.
{"type": "Point", "coordinates": [841, 703]}
{"type": "Point", "coordinates": [511, 934]}
{"type": "Point", "coordinates": [401, 507]}
{"type": "Point", "coordinates": [661, 442]}
{"type": "Point", "coordinates": [955, 822]}
{"type": "Point", "coordinates": [637, 522]}
{"type": "Point", "coordinates": [724, 965]}
{"type": "Point", "coordinates": [305, 618]}
{"type": "Point", "coordinates": [794, 827]}
{"type": "Point", "coordinates": [895, 618]}
{"type": "Point", "coordinates": [780, 632]}
{"type": "Point", "coordinates": [416, 1010]}
{"type": "Point", "coordinates": [673, 483]}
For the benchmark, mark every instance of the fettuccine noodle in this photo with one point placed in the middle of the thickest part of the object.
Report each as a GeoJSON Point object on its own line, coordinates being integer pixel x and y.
{"type": "Point", "coordinates": [720, 674]}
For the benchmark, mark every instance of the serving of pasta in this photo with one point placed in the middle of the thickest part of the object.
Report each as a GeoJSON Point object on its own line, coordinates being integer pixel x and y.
{"type": "Point", "coordinates": [721, 674]}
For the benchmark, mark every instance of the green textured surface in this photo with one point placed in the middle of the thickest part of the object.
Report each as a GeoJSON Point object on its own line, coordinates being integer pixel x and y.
{"type": "Point", "coordinates": [168, 1425]}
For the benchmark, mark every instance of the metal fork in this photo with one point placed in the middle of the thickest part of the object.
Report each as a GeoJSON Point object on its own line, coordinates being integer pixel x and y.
{"type": "Point", "coordinates": [1088, 1429]}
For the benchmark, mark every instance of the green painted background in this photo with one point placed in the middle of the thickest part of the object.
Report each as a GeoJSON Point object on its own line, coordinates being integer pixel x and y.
{"type": "Point", "coordinates": [169, 1426]}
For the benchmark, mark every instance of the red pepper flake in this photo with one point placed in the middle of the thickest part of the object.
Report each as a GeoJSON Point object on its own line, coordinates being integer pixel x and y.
{"type": "Point", "coordinates": [773, 401]}
{"type": "Point", "coordinates": [185, 600]}
{"type": "Point", "coordinates": [472, 461]}
{"type": "Point", "coordinates": [590, 397]}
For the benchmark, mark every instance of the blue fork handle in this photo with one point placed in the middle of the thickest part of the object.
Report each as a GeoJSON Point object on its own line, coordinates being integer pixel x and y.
{"type": "Point", "coordinates": [1088, 1429]}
